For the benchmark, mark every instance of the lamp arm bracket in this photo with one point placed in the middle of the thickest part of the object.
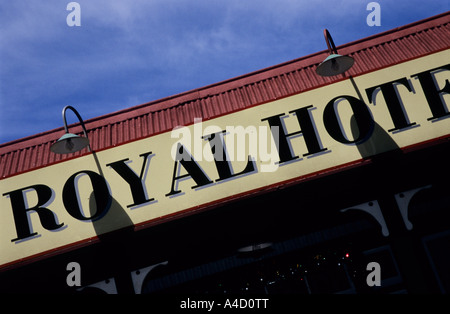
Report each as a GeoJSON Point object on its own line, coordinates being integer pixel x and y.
{"type": "Point", "coordinates": [78, 116]}
{"type": "Point", "coordinates": [330, 43]}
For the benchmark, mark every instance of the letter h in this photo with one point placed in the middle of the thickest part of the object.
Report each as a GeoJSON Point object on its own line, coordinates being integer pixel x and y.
{"type": "Point", "coordinates": [307, 130]}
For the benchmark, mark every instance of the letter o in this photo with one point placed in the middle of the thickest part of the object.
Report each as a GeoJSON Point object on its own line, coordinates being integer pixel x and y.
{"type": "Point", "coordinates": [101, 194]}
{"type": "Point", "coordinates": [362, 117]}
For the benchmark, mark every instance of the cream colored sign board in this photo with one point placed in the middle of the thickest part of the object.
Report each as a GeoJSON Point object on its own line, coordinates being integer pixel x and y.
{"type": "Point", "coordinates": [158, 174]}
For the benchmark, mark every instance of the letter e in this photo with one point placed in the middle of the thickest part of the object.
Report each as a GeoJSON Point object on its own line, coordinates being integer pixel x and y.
{"type": "Point", "coordinates": [374, 277]}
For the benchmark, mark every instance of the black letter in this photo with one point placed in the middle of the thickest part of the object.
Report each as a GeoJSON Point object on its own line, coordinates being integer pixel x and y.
{"type": "Point", "coordinates": [361, 114]}
{"type": "Point", "coordinates": [136, 185]}
{"type": "Point", "coordinates": [393, 102]}
{"type": "Point", "coordinates": [223, 166]}
{"type": "Point", "coordinates": [432, 93]}
{"type": "Point", "coordinates": [307, 130]}
{"type": "Point", "coordinates": [47, 217]}
{"type": "Point", "coordinates": [194, 170]}
{"type": "Point", "coordinates": [101, 195]}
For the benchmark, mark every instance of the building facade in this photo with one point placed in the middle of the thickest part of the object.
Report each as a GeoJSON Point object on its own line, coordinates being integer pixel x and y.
{"type": "Point", "coordinates": [278, 181]}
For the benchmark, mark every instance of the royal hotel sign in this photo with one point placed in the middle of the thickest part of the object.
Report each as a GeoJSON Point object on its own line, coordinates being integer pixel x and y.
{"type": "Point", "coordinates": [192, 167]}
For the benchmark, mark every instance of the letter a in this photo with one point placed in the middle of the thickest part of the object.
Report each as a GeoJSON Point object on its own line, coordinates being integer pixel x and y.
{"type": "Point", "coordinates": [374, 278]}
{"type": "Point", "coordinates": [374, 17]}
{"type": "Point", "coordinates": [74, 17]}
{"type": "Point", "coordinates": [74, 277]}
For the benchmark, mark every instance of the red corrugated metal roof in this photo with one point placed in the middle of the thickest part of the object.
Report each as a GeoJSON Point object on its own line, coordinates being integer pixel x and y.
{"type": "Point", "coordinates": [372, 53]}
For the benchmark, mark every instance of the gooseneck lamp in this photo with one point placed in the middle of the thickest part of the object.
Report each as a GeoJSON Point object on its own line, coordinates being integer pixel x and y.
{"type": "Point", "coordinates": [70, 143]}
{"type": "Point", "coordinates": [334, 64]}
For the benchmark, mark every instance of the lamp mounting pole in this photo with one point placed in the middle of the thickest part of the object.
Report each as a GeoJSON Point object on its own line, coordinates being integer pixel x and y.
{"type": "Point", "coordinates": [66, 128]}
{"type": "Point", "coordinates": [330, 43]}
{"type": "Point", "coordinates": [334, 64]}
{"type": "Point", "coordinates": [79, 118]}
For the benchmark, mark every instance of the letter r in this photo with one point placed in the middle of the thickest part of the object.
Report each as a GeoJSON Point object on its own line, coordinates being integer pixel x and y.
{"type": "Point", "coordinates": [20, 210]}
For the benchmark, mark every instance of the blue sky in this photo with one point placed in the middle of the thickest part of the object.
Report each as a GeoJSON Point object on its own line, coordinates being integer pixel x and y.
{"type": "Point", "coordinates": [126, 53]}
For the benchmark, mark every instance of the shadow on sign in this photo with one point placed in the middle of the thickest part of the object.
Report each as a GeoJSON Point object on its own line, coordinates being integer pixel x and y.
{"type": "Point", "coordinates": [379, 141]}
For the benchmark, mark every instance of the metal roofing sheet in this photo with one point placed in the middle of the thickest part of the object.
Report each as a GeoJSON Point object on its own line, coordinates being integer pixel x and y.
{"type": "Point", "coordinates": [372, 53]}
